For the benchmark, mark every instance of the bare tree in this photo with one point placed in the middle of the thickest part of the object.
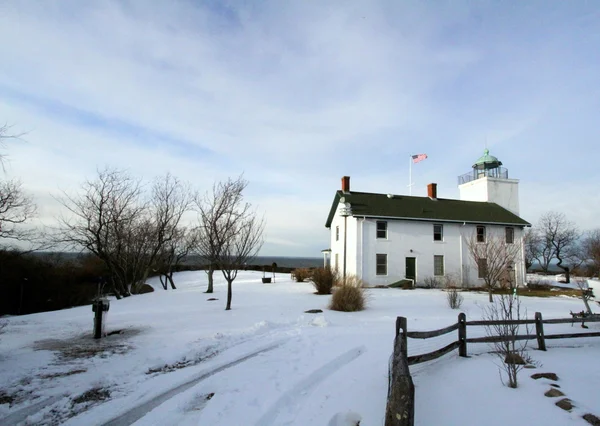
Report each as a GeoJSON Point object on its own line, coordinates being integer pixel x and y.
{"type": "Point", "coordinates": [214, 211]}
{"type": "Point", "coordinates": [5, 135]}
{"type": "Point", "coordinates": [531, 244]}
{"type": "Point", "coordinates": [575, 257]}
{"type": "Point", "coordinates": [113, 220]}
{"type": "Point", "coordinates": [241, 240]}
{"type": "Point", "coordinates": [16, 208]}
{"type": "Point", "coordinates": [105, 219]}
{"type": "Point", "coordinates": [230, 234]}
{"type": "Point", "coordinates": [559, 235]}
{"type": "Point", "coordinates": [543, 250]}
{"type": "Point", "coordinates": [494, 259]}
{"type": "Point", "coordinates": [170, 200]}
{"type": "Point", "coordinates": [591, 250]}
{"type": "Point", "coordinates": [174, 253]}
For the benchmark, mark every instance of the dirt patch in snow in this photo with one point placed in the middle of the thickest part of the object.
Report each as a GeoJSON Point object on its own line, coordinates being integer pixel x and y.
{"type": "Point", "coordinates": [6, 398]}
{"type": "Point", "coordinates": [92, 395]}
{"type": "Point", "coordinates": [207, 354]}
{"type": "Point", "coordinates": [62, 374]}
{"type": "Point", "coordinates": [85, 346]}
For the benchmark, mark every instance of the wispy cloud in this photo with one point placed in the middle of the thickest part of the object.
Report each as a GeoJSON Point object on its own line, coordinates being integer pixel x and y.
{"type": "Point", "coordinates": [296, 94]}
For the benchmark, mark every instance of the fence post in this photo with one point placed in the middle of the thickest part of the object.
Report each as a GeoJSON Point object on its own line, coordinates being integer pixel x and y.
{"type": "Point", "coordinates": [400, 408]}
{"type": "Point", "coordinates": [539, 331]}
{"type": "Point", "coordinates": [462, 334]}
{"type": "Point", "coordinates": [401, 324]}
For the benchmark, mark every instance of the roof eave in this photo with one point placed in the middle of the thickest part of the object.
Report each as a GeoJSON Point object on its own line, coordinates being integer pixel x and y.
{"type": "Point", "coordinates": [333, 209]}
{"type": "Point", "coordinates": [426, 219]}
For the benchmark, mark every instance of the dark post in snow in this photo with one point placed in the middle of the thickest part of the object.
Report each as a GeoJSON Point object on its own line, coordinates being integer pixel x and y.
{"type": "Point", "coordinates": [539, 331]}
{"type": "Point", "coordinates": [462, 334]}
{"type": "Point", "coordinates": [100, 308]}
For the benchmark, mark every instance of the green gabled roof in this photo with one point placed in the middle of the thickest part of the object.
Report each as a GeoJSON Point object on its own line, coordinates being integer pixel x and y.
{"type": "Point", "coordinates": [424, 208]}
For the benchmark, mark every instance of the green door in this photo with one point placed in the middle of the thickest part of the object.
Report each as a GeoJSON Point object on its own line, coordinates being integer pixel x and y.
{"type": "Point", "coordinates": [411, 268]}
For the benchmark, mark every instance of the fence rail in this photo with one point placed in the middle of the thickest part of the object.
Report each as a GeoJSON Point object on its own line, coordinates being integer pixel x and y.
{"type": "Point", "coordinates": [417, 359]}
{"type": "Point", "coordinates": [400, 404]}
{"type": "Point", "coordinates": [430, 334]}
{"type": "Point", "coordinates": [462, 324]}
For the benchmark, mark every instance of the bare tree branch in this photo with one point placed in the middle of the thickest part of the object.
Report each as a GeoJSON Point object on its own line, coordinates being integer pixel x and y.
{"type": "Point", "coordinates": [216, 211]}
{"type": "Point", "coordinates": [558, 237]}
{"type": "Point", "coordinates": [591, 250]}
{"type": "Point", "coordinates": [494, 258]}
{"type": "Point", "coordinates": [230, 234]}
{"type": "Point", "coordinates": [531, 243]}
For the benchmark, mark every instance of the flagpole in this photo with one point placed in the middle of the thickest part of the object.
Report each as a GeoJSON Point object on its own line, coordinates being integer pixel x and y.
{"type": "Point", "coordinates": [410, 175]}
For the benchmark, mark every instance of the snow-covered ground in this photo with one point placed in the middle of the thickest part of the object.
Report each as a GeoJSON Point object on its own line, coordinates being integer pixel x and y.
{"type": "Point", "coordinates": [182, 359]}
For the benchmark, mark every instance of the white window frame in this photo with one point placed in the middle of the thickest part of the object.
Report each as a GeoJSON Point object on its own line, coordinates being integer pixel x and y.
{"type": "Point", "coordinates": [441, 231]}
{"type": "Point", "coordinates": [384, 230]}
{"type": "Point", "coordinates": [483, 234]}
{"type": "Point", "coordinates": [377, 264]}
{"type": "Point", "coordinates": [337, 233]}
{"type": "Point", "coordinates": [512, 232]}
{"type": "Point", "coordinates": [441, 258]}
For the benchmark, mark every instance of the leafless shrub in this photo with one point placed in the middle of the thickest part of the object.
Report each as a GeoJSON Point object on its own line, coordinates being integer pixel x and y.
{"type": "Point", "coordinates": [454, 298]}
{"type": "Point", "coordinates": [349, 296]}
{"type": "Point", "coordinates": [512, 353]}
{"type": "Point", "coordinates": [302, 274]}
{"type": "Point", "coordinates": [431, 282]}
{"type": "Point", "coordinates": [324, 279]}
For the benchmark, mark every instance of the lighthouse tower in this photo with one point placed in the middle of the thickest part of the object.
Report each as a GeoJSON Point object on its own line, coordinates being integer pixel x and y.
{"type": "Point", "coordinates": [489, 182]}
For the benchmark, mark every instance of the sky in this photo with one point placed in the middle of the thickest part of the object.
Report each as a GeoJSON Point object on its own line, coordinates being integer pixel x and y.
{"type": "Point", "coordinates": [297, 94]}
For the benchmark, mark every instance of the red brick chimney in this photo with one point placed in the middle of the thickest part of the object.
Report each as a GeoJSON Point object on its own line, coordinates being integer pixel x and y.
{"type": "Point", "coordinates": [346, 184]}
{"type": "Point", "coordinates": [432, 191]}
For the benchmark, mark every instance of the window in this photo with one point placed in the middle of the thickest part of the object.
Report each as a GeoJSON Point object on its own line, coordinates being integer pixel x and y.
{"type": "Point", "coordinates": [337, 233]}
{"type": "Point", "coordinates": [438, 232]}
{"type": "Point", "coordinates": [510, 235]}
{"type": "Point", "coordinates": [381, 229]}
{"type": "Point", "coordinates": [481, 234]}
{"type": "Point", "coordinates": [337, 261]}
{"type": "Point", "coordinates": [381, 262]}
{"type": "Point", "coordinates": [481, 268]}
{"type": "Point", "coordinates": [438, 266]}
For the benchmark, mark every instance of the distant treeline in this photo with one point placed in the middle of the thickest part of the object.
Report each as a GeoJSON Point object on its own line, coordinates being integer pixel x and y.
{"type": "Point", "coordinates": [282, 261]}
{"type": "Point", "coordinates": [47, 281]}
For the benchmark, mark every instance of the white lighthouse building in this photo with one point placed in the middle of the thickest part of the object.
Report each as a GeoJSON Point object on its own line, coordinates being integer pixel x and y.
{"type": "Point", "coordinates": [489, 182]}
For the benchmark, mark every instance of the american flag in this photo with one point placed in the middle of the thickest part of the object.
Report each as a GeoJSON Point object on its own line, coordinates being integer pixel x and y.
{"type": "Point", "coordinates": [418, 157]}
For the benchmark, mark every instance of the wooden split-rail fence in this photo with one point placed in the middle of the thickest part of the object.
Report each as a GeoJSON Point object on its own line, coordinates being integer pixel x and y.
{"type": "Point", "coordinates": [400, 404]}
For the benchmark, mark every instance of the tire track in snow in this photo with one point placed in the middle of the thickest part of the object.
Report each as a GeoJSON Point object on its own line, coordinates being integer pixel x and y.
{"type": "Point", "coordinates": [136, 413]}
{"type": "Point", "coordinates": [21, 415]}
{"type": "Point", "coordinates": [298, 392]}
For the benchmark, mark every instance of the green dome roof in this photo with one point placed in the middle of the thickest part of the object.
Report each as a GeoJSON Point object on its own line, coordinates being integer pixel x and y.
{"type": "Point", "coordinates": [487, 161]}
